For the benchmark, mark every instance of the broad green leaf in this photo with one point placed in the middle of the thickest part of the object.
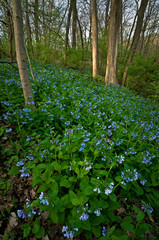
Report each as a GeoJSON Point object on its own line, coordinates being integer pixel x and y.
{"type": "Point", "coordinates": [54, 215]}
{"type": "Point", "coordinates": [127, 226]}
{"type": "Point", "coordinates": [26, 231]}
{"type": "Point", "coordinates": [35, 228]}
{"type": "Point", "coordinates": [113, 197]}
{"type": "Point", "coordinates": [74, 199]}
{"type": "Point", "coordinates": [42, 188]}
{"type": "Point", "coordinates": [14, 170]}
{"type": "Point", "coordinates": [97, 231]}
{"type": "Point", "coordinates": [40, 233]}
{"type": "Point", "coordinates": [140, 216]}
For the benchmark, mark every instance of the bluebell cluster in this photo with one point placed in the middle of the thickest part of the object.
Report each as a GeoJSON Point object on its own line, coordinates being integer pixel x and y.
{"type": "Point", "coordinates": [129, 176]}
{"type": "Point", "coordinates": [148, 157]}
{"type": "Point", "coordinates": [84, 217]}
{"type": "Point", "coordinates": [24, 172]}
{"type": "Point", "coordinates": [105, 232]}
{"type": "Point", "coordinates": [109, 189]}
{"type": "Point", "coordinates": [67, 232]}
{"type": "Point", "coordinates": [147, 208]}
{"type": "Point", "coordinates": [97, 212]}
{"type": "Point", "coordinates": [28, 212]}
{"type": "Point", "coordinates": [43, 199]}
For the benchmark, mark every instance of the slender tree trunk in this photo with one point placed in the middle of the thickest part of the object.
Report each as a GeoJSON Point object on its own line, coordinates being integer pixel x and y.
{"type": "Point", "coordinates": [28, 29]}
{"type": "Point", "coordinates": [113, 40]}
{"type": "Point", "coordinates": [67, 29]}
{"type": "Point", "coordinates": [81, 33]}
{"type": "Point", "coordinates": [135, 37]}
{"type": "Point", "coordinates": [10, 32]}
{"type": "Point", "coordinates": [74, 23]}
{"type": "Point", "coordinates": [95, 56]}
{"type": "Point", "coordinates": [36, 20]}
{"type": "Point", "coordinates": [20, 52]}
{"type": "Point", "coordinates": [106, 15]}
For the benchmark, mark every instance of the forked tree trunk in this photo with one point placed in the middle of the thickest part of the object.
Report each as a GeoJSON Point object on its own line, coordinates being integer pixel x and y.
{"type": "Point", "coordinates": [95, 56]}
{"type": "Point", "coordinates": [136, 36]}
{"type": "Point", "coordinates": [20, 52]}
{"type": "Point", "coordinates": [113, 40]}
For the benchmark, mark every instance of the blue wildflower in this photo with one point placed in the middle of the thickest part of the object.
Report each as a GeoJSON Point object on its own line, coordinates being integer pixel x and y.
{"type": "Point", "coordinates": [84, 217]}
{"type": "Point", "coordinates": [8, 130]}
{"type": "Point", "coordinates": [82, 147]}
{"type": "Point", "coordinates": [147, 208]}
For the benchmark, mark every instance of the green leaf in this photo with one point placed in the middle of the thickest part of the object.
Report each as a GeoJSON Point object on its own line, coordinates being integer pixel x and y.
{"type": "Point", "coordinates": [118, 178]}
{"type": "Point", "coordinates": [26, 231]}
{"type": "Point", "coordinates": [64, 182]}
{"type": "Point", "coordinates": [86, 225]}
{"type": "Point", "coordinates": [97, 231]}
{"type": "Point", "coordinates": [139, 191]}
{"type": "Point", "coordinates": [54, 215]}
{"type": "Point", "coordinates": [127, 226]}
{"type": "Point", "coordinates": [40, 233]}
{"type": "Point", "coordinates": [54, 187]}
{"type": "Point", "coordinates": [140, 216]}
{"type": "Point", "coordinates": [113, 197]}
{"type": "Point", "coordinates": [142, 228]}
{"type": "Point", "coordinates": [74, 199]}
{"type": "Point", "coordinates": [14, 170]}
{"type": "Point", "coordinates": [42, 188]}
{"type": "Point", "coordinates": [35, 228]}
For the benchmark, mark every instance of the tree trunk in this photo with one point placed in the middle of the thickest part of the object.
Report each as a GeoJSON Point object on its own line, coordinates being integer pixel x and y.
{"type": "Point", "coordinates": [74, 23]}
{"type": "Point", "coordinates": [36, 21]}
{"type": "Point", "coordinates": [113, 40]}
{"type": "Point", "coordinates": [67, 29]}
{"type": "Point", "coordinates": [10, 31]}
{"type": "Point", "coordinates": [136, 36]}
{"type": "Point", "coordinates": [20, 52]}
{"type": "Point", "coordinates": [95, 56]}
{"type": "Point", "coordinates": [28, 29]}
{"type": "Point", "coordinates": [107, 16]}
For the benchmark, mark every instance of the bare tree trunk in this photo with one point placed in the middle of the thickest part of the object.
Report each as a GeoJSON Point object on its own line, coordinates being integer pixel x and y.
{"type": "Point", "coordinates": [36, 21]}
{"type": "Point", "coordinates": [95, 56]}
{"type": "Point", "coordinates": [10, 32]}
{"type": "Point", "coordinates": [20, 52]}
{"type": "Point", "coordinates": [81, 33]}
{"type": "Point", "coordinates": [135, 37]}
{"type": "Point", "coordinates": [106, 15]}
{"type": "Point", "coordinates": [113, 40]}
{"type": "Point", "coordinates": [68, 28]}
{"type": "Point", "coordinates": [132, 28]}
{"type": "Point", "coordinates": [28, 29]}
{"type": "Point", "coordinates": [74, 23]}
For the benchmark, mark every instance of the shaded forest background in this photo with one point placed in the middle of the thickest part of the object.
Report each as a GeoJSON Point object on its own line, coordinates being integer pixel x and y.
{"type": "Point", "coordinates": [60, 33]}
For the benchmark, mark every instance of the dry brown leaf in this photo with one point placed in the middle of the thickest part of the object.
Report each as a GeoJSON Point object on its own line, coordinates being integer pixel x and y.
{"type": "Point", "coordinates": [45, 237]}
{"type": "Point", "coordinates": [12, 223]}
{"type": "Point", "coordinates": [121, 210]}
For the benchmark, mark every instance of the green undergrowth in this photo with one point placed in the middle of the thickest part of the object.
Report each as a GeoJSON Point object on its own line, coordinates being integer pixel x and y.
{"type": "Point", "coordinates": [91, 150]}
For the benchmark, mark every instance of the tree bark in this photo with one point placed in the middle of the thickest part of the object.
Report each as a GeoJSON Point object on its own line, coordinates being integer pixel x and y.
{"type": "Point", "coordinates": [68, 28]}
{"type": "Point", "coordinates": [136, 36]}
{"type": "Point", "coordinates": [113, 40]}
{"type": "Point", "coordinates": [28, 28]}
{"type": "Point", "coordinates": [74, 23]}
{"type": "Point", "coordinates": [95, 56]}
{"type": "Point", "coordinates": [20, 52]}
{"type": "Point", "coordinates": [36, 21]}
{"type": "Point", "coordinates": [107, 16]}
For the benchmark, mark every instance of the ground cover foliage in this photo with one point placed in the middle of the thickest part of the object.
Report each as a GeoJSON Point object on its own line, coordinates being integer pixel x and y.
{"type": "Point", "coordinates": [83, 164]}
